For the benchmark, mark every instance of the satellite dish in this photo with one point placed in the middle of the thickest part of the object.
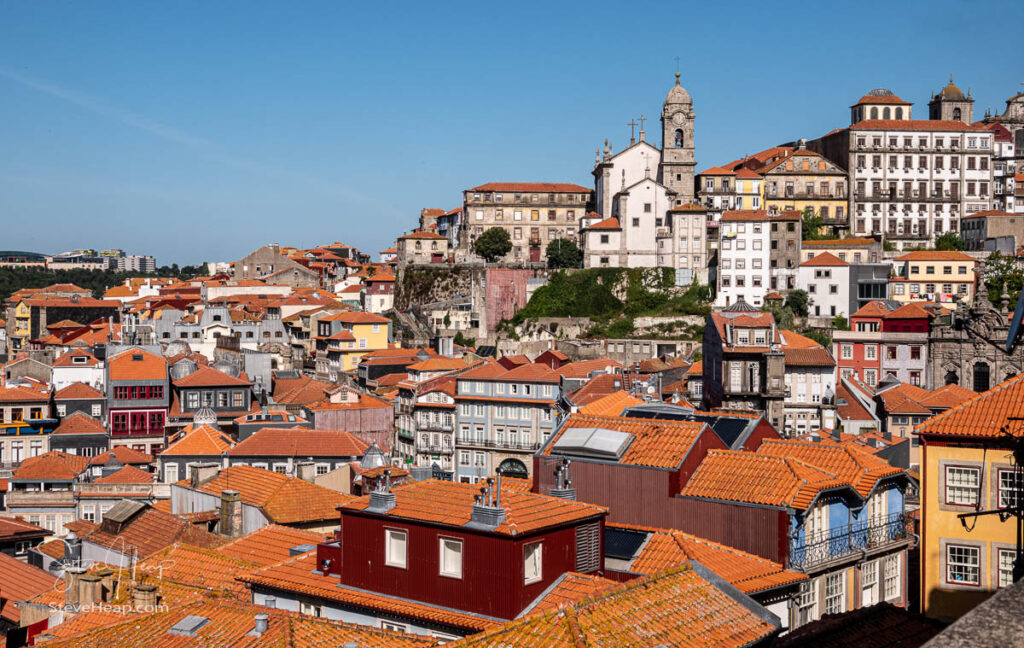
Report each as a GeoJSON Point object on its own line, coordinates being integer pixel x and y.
{"type": "Point", "coordinates": [1018, 314]}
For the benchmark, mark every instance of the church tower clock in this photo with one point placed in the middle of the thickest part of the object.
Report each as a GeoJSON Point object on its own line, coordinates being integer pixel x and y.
{"type": "Point", "coordinates": [677, 161]}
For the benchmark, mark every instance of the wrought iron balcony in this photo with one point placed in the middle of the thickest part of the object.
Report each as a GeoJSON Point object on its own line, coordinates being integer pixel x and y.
{"type": "Point", "coordinates": [434, 448]}
{"type": "Point", "coordinates": [834, 544]}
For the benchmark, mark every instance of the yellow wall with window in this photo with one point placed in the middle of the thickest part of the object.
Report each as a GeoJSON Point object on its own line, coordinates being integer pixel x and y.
{"type": "Point", "coordinates": [369, 337]}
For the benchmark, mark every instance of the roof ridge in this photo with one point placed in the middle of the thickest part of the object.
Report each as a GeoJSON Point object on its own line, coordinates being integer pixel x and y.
{"type": "Point", "coordinates": [942, 415]}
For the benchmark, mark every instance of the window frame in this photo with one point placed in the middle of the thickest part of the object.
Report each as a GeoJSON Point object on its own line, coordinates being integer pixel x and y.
{"type": "Point", "coordinates": [389, 559]}
{"type": "Point", "coordinates": [441, 544]}
{"type": "Point", "coordinates": [945, 484]}
{"type": "Point", "coordinates": [947, 564]}
{"type": "Point", "coordinates": [539, 575]}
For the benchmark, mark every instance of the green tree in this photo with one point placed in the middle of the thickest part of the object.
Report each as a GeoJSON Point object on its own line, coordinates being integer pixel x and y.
{"type": "Point", "coordinates": [564, 253]}
{"type": "Point", "coordinates": [949, 241]}
{"type": "Point", "coordinates": [783, 314]}
{"type": "Point", "coordinates": [798, 301]}
{"type": "Point", "coordinates": [493, 244]}
{"type": "Point", "coordinates": [819, 336]}
{"type": "Point", "coordinates": [840, 323]}
{"type": "Point", "coordinates": [1002, 273]}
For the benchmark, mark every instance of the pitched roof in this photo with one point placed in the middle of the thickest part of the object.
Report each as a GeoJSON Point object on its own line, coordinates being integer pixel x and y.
{"type": "Point", "coordinates": [269, 545]}
{"type": "Point", "coordinates": [52, 465]}
{"type": "Point", "coordinates": [666, 548]}
{"type": "Point", "coordinates": [149, 530]}
{"type": "Point", "coordinates": [677, 607]}
{"type": "Point", "coordinates": [758, 478]}
{"type": "Point", "coordinates": [935, 255]}
{"type": "Point", "coordinates": [78, 391]}
{"type": "Point", "coordinates": [607, 224]}
{"type": "Point", "coordinates": [611, 405]}
{"type": "Point", "coordinates": [908, 311]}
{"type": "Point", "coordinates": [284, 499]}
{"type": "Point", "coordinates": [297, 575]}
{"type": "Point", "coordinates": [825, 259]}
{"type": "Point", "coordinates": [873, 309]}
{"type": "Point", "coordinates": [80, 423]}
{"type": "Point", "coordinates": [199, 441]}
{"type": "Point", "coordinates": [20, 582]}
{"type": "Point", "coordinates": [137, 364]}
{"type": "Point", "coordinates": [127, 475]}
{"type": "Point", "coordinates": [300, 442]}
{"type": "Point", "coordinates": [914, 125]}
{"type": "Point", "coordinates": [569, 589]}
{"type": "Point", "coordinates": [356, 317]}
{"type": "Point", "coordinates": [985, 416]}
{"type": "Point", "coordinates": [882, 99]}
{"type": "Point", "coordinates": [655, 443]}
{"type": "Point", "coordinates": [858, 469]}
{"type": "Point", "coordinates": [760, 215]}
{"type": "Point", "coordinates": [230, 623]}
{"type": "Point", "coordinates": [583, 368]}
{"type": "Point", "coordinates": [947, 396]}
{"type": "Point", "coordinates": [440, 363]}
{"type": "Point", "coordinates": [67, 359]}
{"type": "Point", "coordinates": [124, 454]}
{"type": "Point", "coordinates": [300, 391]}
{"type": "Point", "coordinates": [451, 503]}
{"type": "Point", "coordinates": [19, 394]}
{"type": "Point", "coordinates": [13, 527]}
{"type": "Point", "coordinates": [524, 187]}
{"type": "Point", "coordinates": [207, 376]}
{"type": "Point", "coordinates": [421, 234]}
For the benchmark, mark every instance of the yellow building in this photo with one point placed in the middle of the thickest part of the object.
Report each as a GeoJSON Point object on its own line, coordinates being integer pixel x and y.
{"type": "Point", "coordinates": [344, 338]}
{"type": "Point", "coordinates": [966, 467]}
{"type": "Point", "coordinates": [803, 180]}
{"type": "Point", "coordinates": [19, 330]}
{"type": "Point", "coordinates": [934, 276]}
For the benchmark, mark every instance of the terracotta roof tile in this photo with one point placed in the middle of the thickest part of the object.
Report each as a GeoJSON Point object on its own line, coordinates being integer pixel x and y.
{"type": "Point", "coordinates": [914, 125]}
{"type": "Point", "coordinates": [127, 475]}
{"type": "Point", "coordinates": [199, 441]}
{"type": "Point", "coordinates": [882, 99]}
{"type": "Point", "coordinates": [947, 396]}
{"type": "Point", "coordinates": [269, 545]}
{"type": "Point", "coordinates": [859, 470]}
{"type": "Point", "coordinates": [80, 423]}
{"type": "Point", "coordinates": [14, 527]}
{"type": "Point", "coordinates": [296, 575]}
{"type": "Point", "coordinates": [78, 390]}
{"type": "Point", "coordinates": [825, 259]}
{"type": "Point", "coordinates": [524, 187]}
{"type": "Point", "coordinates": [20, 582]}
{"type": "Point", "coordinates": [66, 359]}
{"type": "Point", "coordinates": [300, 391]}
{"type": "Point", "coordinates": [583, 368]}
{"type": "Point", "coordinates": [759, 215]}
{"type": "Point", "coordinates": [124, 454]}
{"type": "Point", "coordinates": [451, 503]}
{"type": "Point", "coordinates": [150, 531]}
{"type": "Point", "coordinates": [439, 364]}
{"type": "Point", "coordinates": [19, 394]}
{"type": "Point", "coordinates": [985, 416]}
{"type": "Point", "coordinates": [284, 499]}
{"type": "Point", "coordinates": [607, 224]}
{"type": "Point", "coordinates": [677, 607]}
{"type": "Point", "coordinates": [207, 376]}
{"type": "Point", "coordinates": [356, 317]}
{"type": "Point", "coordinates": [137, 364]}
{"type": "Point", "coordinates": [569, 589]}
{"type": "Point", "coordinates": [300, 442]}
{"type": "Point", "coordinates": [611, 405]}
{"type": "Point", "coordinates": [656, 443]}
{"type": "Point", "coordinates": [52, 465]}
{"type": "Point", "coordinates": [936, 255]}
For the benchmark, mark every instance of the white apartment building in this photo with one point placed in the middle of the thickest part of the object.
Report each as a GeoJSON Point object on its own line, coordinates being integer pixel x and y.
{"type": "Point", "coordinates": [743, 258]}
{"type": "Point", "coordinates": [826, 279]}
{"type": "Point", "coordinates": [1004, 167]}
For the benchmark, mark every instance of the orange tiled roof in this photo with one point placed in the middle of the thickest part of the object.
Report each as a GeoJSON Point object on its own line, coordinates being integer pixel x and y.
{"type": "Point", "coordinates": [669, 547]}
{"type": "Point", "coordinates": [127, 475]}
{"type": "Point", "coordinates": [607, 224]}
{"type": "Point", "coordinates": [859, 470]}
{"type": "Point", "coordinates": [985, 416]}
{"type": "Point", "coordinates": [583, 368]}
{"type": "Point", "coordinates": [656, 443]}
{"type": "Point", "coordinates": [300, 442]}
{"type": "Point", "coordinates": [124, 454]}
{"type": "Point", "coordinates": [677, 607]}
{"type": "Point", "coordinates": [137, 364]}
{"type": "Point", "coordinates": [207, 376]}
{"type": "Point", "coordinates": [19, 394]}
{"type": "Point", "coordinates": [569, 589]}
{"type": "Point", "coordinates": [611, 405]}
{"type": "Point", "coordinates": [78, 391]}
{"type": "Point", "coordinates": [150, 530]}
{"type": "Point", "coordinates": [935, 255]}
{"type": "Point", "coordinates": [438, 364]}
{"type": "Point", "coordinates": [882, 99]}
{"type": "Point", "coordinates": [199, 441]}
{"type": "Point", "coordinates": [192, 566]}
{"type": "Point", "coordinates": [758, 478]}
{"type": "Point", "coordinates": [269, 545]}
{"type": "Point", "coordinates": [284, 499]}
{"type": "Point", "coordinates": [420, 234]}
{"type": "Point", "coordinates": [296, 575]}
{"type": "Point", "coordinates": [757, 215]}
{"type": "Point", "coordinates": [65, 360]}
{"type": "Point", "coordinates": [450, 503]}
{"type": "Point", "coordinates": [872, 309]}
{"type": "Point", "coordinates": [20, 582]}
{"type": "Point", "coordinates": [12, 527]}
{"type": "Point", "coordinates": [80, 423]}
{"type": "Point", "coordinates": [947, 396]}
{"type": "Point", "coordinates": [52, 465]}
{"type": "Point", "coordinates": [356, 317]}
{"type": "Point", "coordinates": [825, 259]}
{"type": "Point", "coordinates": [230, 624]}
{"type": "Point", "coordinates": [907, 311]}
{"type": "Point", "coordinates": [696, 369]}
{"type": "Point", "coordinates": [914, 125]}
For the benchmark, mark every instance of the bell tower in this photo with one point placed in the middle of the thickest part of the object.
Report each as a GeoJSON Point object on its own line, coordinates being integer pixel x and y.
{"type": "Point", "coordinates": [677, 160]}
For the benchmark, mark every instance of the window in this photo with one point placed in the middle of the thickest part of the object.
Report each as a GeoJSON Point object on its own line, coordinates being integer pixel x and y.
{"type": "Point", "coordinates": [1009, 488]}
{"type": "Point", "coordinates": [532, 565]}
{"type": "Point", "coordinates": [835, 593]}
{"type": "Point", "coordinates": [963, 565]}
{"type": "Point", "coordinates": [464, 457]}
{"type": "Point", "coordinates": [310, 609]}
{"type": "Point", "coordinates": [97, 410]}
{"type": "Point", "coordinates": [395, 627]}
{"type": "Point", "coordinates": [394, 548]}
{"type": "Point", "coordinates": [451, 557]}
{"type": "Point", "coordinates": [891, 577]}
{"type": "Point", "coordinates": [1006, 558]}
{"type": "Point", "coordinates": [962, 485]}
{"type": "Point", "coordinates": [846, 351]}
{"type": "Point", "coordinates": [806, 601]}
{"type": "Point", "coordinates": [870, 352]}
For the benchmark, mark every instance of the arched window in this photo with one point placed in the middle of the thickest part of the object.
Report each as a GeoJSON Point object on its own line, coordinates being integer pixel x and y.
{"type": "Point", "coordinates": [679, 138]}
{"type": "Point", "coordinates": [513, 468]}
{"type": "Point", "coordinates": [899, 113]}
{"type": "Point", "coordinates": [952, 378]}
{"type": "Point", "coordinates": [981, 377]}
{"type": "Point", "coordinates": [874, 113]}
{"type": "Point", "coordinates": [956, 114]}
{"type": "Point", "coordinates": [885, 113]}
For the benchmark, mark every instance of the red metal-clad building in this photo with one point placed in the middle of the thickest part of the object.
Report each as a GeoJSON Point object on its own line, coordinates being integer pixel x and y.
{"type": "Point", "coordinates": [445, 543]}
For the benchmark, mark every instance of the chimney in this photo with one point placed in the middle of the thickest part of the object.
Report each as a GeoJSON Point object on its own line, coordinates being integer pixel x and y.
{"type": "Point", "coordinates": [230, 513]}
{"type": "Point", "coordinates": [382, 499]}
{"type": "Point", "coordinates": [72, 586]}
{"type": "Point", "coordinates": [563, 485]}
{"type": "Point", "coordinates": [260, 625]}
{"type": "Point", "coordinates": [203, 472]}
{"type": "Point", "coordinates": [305, 470]}
{"type": "Point", "coordinates": [143, 597]}
{"type": "Point", "coordinates": [487, 512]}
{"type": "Point", "coordinates": [90, 590]}
{"type": "Point", "coordinates": [108, 584]}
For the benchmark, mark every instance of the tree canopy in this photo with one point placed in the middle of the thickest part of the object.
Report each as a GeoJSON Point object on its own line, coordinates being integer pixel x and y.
{"type": "Point", "coordinates": [493, 244]}
{"type": "Point", "coordinates": [564, 253]}
{"type": "Point", "coordinates": [949, 241]}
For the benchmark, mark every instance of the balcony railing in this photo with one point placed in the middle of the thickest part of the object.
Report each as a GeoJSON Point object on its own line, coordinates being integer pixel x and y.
{"type": "Point", "coordinates": [834, 544]}
{"type": "Point", "coordinates": [504, 445]}
{"type": "Point", "coordinates": [434, 448]}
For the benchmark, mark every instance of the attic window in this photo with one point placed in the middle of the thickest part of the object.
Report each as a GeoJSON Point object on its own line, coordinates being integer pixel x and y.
{"type": "Point", "coordinates": [189, 626]}
{"type": "Point", "coordinates": [78, 360]}
{"type": "Point", "coordinates": [136, 357]}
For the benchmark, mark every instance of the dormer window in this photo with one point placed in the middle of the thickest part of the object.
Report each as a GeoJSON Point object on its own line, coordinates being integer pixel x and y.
{"type": "Point", "coordinates": [136, 357]}
{"type": "Point", "coordinates": [79, 360]}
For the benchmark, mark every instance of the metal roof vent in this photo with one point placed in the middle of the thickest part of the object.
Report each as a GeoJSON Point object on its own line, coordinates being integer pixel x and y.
{"type": "Point", "coordinates": [382, 499]}
{"type": "Point", "coordinates": [188, 626]}
{"type": "Point", "coordinates": [260, 623]}
{"type": "Point", "coordinates": [487, 511]}
{"type": "Point", "coordinates": [182, 368]}
{"type": "Point", "coordinates": [300, 549]}
{"type": "Point", "coordinates": [205, 416]}
{"type": "Point", "coordinates": [563, 485]}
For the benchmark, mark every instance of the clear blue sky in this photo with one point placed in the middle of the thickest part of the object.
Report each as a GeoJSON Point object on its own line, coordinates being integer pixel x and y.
{"type": "Point", "coordinates": [199, 130]}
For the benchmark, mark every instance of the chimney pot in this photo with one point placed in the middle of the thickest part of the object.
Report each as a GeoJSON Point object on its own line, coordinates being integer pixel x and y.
{"type": "Point", "coordinates": [260, 626]}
